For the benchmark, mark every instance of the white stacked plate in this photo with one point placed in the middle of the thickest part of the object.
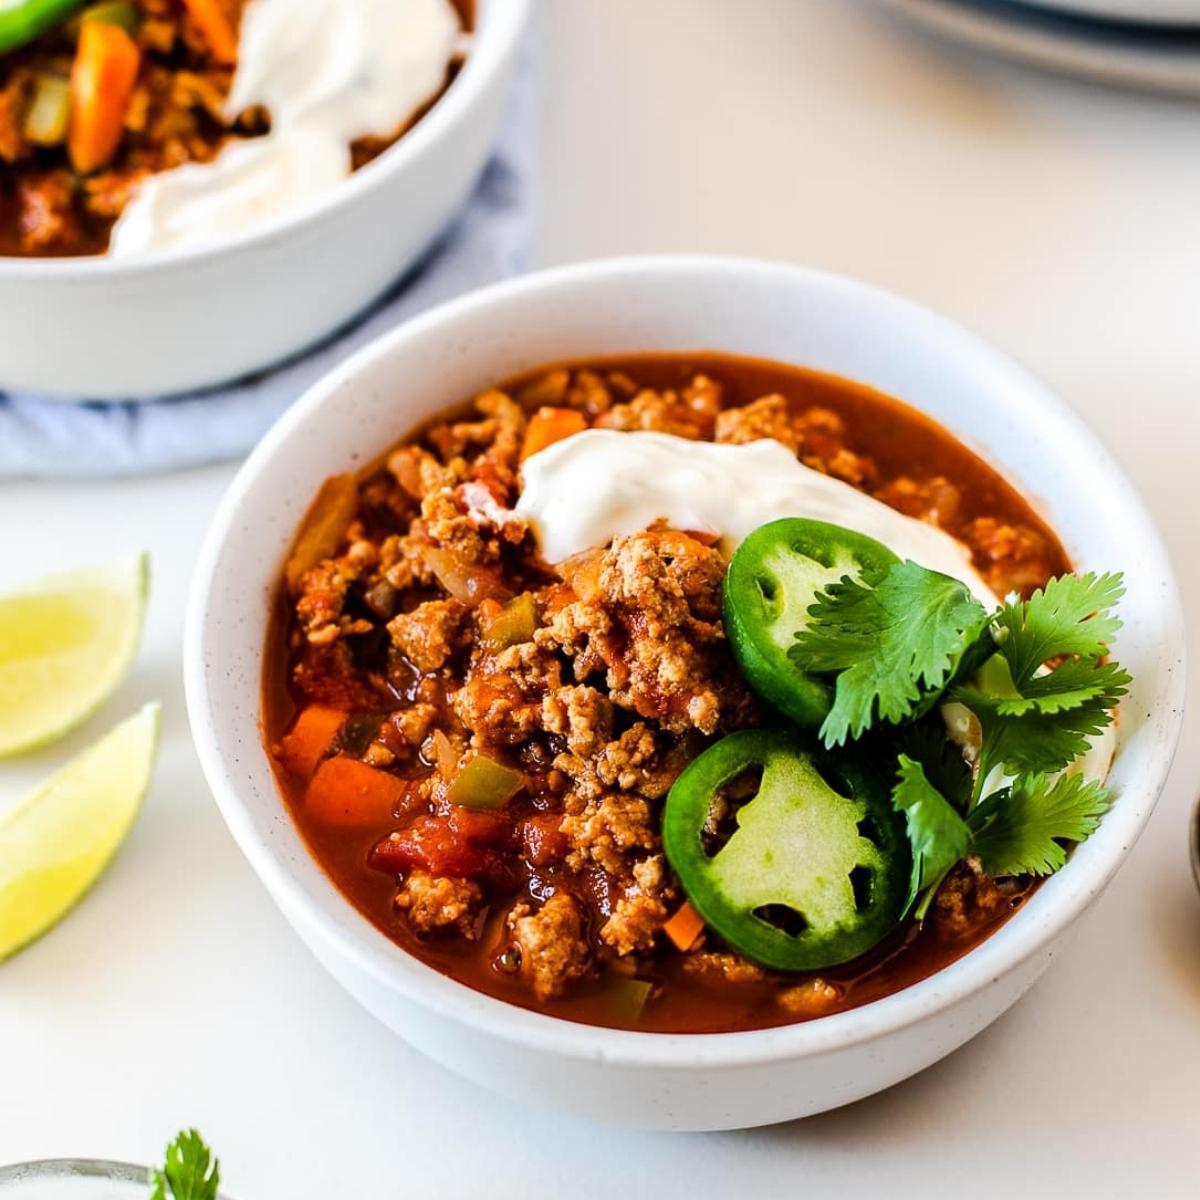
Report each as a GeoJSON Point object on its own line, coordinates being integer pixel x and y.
{"type": "Point", "coordinates": [1137, 43]}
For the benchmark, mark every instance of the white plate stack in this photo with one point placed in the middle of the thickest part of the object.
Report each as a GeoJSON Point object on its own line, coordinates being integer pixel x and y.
{"type": "Point", "coordinates": [1151, 44]}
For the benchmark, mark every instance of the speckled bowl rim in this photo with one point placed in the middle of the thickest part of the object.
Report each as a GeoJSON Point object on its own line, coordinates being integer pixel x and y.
{"type": "Point", "coordinates": [342, 932]}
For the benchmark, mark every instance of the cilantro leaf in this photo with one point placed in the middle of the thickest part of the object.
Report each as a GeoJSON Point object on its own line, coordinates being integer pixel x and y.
{"type": "Point", "coordinates": [939, 836]}
{"type": "Point", "coordinates": [892, 645]}
{"type": "Point", "coordinates": [1036, 741]}
{"type": "Point", "coordinates": [1019, 830]}
{"type": "Point", "coordinates": [189, 1172]}
{"type": "Point", "coordinates": [925, 741]}
{"type": "Point", "coordinates": [1066, 618]}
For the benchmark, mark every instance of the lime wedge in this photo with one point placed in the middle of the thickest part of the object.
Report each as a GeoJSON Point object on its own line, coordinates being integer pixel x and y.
{"type": "Point", "coordinates": [65, 643]}
{"type": "Point", "coordinates": [58, 840]}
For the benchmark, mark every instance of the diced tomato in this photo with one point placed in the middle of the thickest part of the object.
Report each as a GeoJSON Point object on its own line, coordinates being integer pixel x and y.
{"type": "Point", "coordinates": [304, 745]}
{"type": "Point", "coordinates": [347, 792]}
{"type": "Point", "coordinates": [461, 843]}
{"type": "Point", "coordinates": [542, 841]}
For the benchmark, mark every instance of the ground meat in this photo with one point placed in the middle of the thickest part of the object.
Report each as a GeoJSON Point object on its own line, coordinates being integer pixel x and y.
{"type": "Point", "coordinates": [1013, 557]}
{"type": "Point", "coordinates": [501, 700]}
{"type": "Point", "coordinates": [639, 914]}
{"type": "Point", "coordinates": [690, 413]}
{"type": "Point", "coordinates": [814, 998]}
{"type": "Point", "coordinates": [420, 474]}
{"type": "Point", "coordinates": [554, 951]}
{"type": "Point", "coordinates": [324, 589]}
{"type": "Point", "coordinates": [768, 417]}
{"type": "Point", "coordinates": [713, 966]}
{"type": "Point", "coordinates": [604, 829]}
{"type": "Point", "coordinates": [934, 500]}
{"type": "Point", "coordinates": [967, 899]}
{"type": "Point", "coordinates": [441, 903]}
{"type": "Point", "coordinates": [633, 762]}
{"type": "Point", "coordinates": [648, 619]}
{"type": "Point", "coordinates": [634, 924]}
{"type": "Point", "coordinates": [431, 633]}
{"type": "Point", "coordinates": [583, 715]}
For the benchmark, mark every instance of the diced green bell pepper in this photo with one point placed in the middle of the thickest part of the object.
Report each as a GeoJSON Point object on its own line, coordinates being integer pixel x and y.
{"type": "Point", "coordinates": [484, 784]}
{"type": "Point", "coordinates": [515, 623]}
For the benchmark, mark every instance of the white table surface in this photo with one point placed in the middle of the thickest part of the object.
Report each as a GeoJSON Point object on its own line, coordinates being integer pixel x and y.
{"type": "Point", "coordinates": [1056, 218]}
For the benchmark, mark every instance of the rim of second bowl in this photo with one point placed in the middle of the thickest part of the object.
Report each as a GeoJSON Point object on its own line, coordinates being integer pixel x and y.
{"type": "Point", "coordinates": [502, 24]}
{"type": "Point", "coordinates": [1023, 936]}
{"type": "Point", "coordinates": [112, 1170]}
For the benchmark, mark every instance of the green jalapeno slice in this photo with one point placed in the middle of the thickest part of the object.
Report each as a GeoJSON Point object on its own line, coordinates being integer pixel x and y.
{"type": "Point", "coordinates": [817, 867]}
{"type": "Point", "coordinates": [773, 579]}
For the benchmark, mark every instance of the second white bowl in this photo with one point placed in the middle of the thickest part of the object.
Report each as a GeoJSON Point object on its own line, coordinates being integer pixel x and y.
{"type": "Point", "coordinates": [115, 329]}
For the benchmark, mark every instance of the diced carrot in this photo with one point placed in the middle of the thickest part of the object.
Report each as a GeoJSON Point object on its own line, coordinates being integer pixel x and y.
{"type": "Point", "coordinates": [550, 425]}
{"type": "Point", "coordinates": [684, 927]}
{"type": "Point", "coordinates": [301, 748]}
{"type": "Point", "coordinates": [102, 79]}
{"type": "Point", "coordinates": [347, 792]}
{"type": "Point", "coordinates": [216, 28]}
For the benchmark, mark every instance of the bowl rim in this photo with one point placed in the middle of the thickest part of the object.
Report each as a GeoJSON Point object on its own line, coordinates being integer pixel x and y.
{"type": "Point", "coordinates": [352, 937]}
{"type": "Point", "coordinates": [500, 25]}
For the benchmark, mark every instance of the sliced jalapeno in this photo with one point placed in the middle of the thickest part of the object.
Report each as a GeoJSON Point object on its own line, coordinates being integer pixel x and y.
{"type": "Point", "coordinates": [817, 868]}
{"type": "Point", "coordinates": [773, 579]}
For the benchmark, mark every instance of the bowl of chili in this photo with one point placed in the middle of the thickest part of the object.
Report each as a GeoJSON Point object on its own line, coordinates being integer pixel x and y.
{"type": "Point", "coordinates": [112, 97]}
{"type": "Point", "coordinates": [680, 1073]}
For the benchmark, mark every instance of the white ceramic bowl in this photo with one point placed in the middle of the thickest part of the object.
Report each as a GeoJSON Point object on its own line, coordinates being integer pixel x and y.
{"type": "Point", "coordinates": [709, 1081]}
{"type": "Point", "coordinates": [101, 328]}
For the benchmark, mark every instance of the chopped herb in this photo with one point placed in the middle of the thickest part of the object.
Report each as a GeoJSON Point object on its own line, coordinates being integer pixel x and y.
{"type": "Point", "coordinates": [189, 1171]}
{"type": "Point", "coordinates": [1020, 830]}
{"type": "Point", "coordinates": [1039, 689]}
{"type": "Point", "coordinates": [939, 836]}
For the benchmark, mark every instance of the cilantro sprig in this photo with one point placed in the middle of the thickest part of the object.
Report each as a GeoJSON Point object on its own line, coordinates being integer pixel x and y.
{"type": "Point", "coordinates": [893, 645]}
{"type": "Point", "coordinates": [189, 1170]}
{"type": "Point", "coordinates": [1034, 678]}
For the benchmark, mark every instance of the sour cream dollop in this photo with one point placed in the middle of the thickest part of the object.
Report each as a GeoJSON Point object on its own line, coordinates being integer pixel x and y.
{"type": "Point", "coordinates": [585, 490]}
{"type": "Point", "coordinates": [329, 72]}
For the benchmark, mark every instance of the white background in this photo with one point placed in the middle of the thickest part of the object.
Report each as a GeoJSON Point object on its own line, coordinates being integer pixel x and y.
{"type": "Point", "coordinates": [1058, 219]}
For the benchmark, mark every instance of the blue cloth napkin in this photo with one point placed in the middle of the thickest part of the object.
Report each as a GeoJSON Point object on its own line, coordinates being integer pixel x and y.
{"type": "Point", "coordinates": [489, 240]}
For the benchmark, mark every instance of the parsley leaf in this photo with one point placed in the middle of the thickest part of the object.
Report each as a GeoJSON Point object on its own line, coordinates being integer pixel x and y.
{"type": "Point", "coordinates": [1019, 830]}
{"type": "Point", "coordinates": [189, 1171]}
{"type": "Point", "coordinates": [939, 836]}
{"type": "Point", "coordinates": [1066, 618]}
{"type": "Point", "coordinates": [892, 644]}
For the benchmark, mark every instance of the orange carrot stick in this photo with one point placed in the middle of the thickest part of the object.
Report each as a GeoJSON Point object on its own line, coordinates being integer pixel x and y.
{"type": "Point", "coordinates": [550, 425]}
{"type": "Point", "coordinates": [684, 927]}
{"type": "Point", "coordinates": [102, 78]}
{"type": "Point", "coordinates": [216, 28]}
{"type": "Point", "coordinates": [347, 792]}
{"type": "Point", "coordinates": [301, 748]}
